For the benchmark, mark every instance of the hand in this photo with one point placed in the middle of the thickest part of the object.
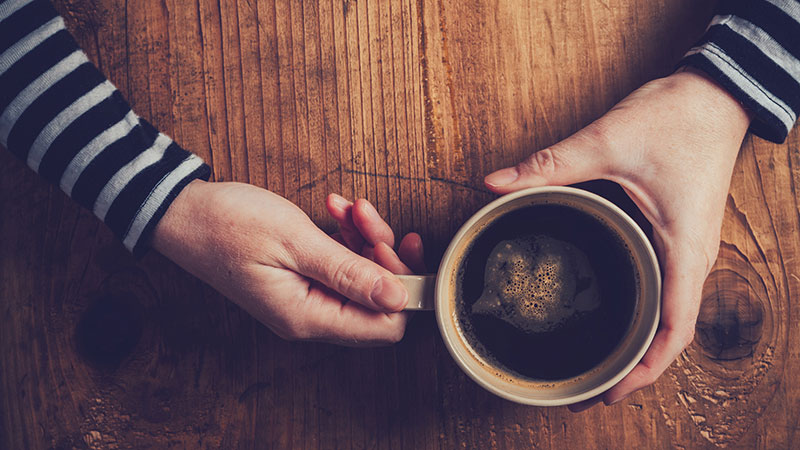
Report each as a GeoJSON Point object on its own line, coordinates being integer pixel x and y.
{"type": "Point", "coordinates": [363, 231]}
{"type": "Point", "coordinates": [265, 254]}
{"type": "Point", "coordinates": [671, 145]}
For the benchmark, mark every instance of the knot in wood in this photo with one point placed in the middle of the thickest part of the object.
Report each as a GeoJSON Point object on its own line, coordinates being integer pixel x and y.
{"type": "Point", "coordinates": [730, 324]}
{"type": "Point", "coordinates": [109, 329]}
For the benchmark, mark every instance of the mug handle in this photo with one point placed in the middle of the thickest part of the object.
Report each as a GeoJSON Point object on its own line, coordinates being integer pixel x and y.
{"type": "Point", "coordinates": [421, 291]}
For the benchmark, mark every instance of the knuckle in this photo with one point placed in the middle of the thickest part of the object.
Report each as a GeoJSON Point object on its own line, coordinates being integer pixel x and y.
{"type": "Point", "coordinates": [599, 135]}
{"type": "Point", "coordinates": [293, 248]}
{"type": "Point", "coordinates": [345, 273]}
{"type": "Point", "coordinates": [543, 163]}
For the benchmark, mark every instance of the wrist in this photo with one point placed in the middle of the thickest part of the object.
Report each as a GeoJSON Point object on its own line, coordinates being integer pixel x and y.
{"type": "Point", "coordinates": [176, 219]}
{"type": "Point", "coordinates": [704, 92]}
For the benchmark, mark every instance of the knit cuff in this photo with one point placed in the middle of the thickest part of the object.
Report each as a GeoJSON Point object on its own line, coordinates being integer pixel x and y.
{"type": "Point", "coordinates": [751, 50]}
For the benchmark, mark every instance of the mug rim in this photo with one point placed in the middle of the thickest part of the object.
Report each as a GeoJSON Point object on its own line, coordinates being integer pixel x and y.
{"type": "Point", "coordinates": [444, 316]}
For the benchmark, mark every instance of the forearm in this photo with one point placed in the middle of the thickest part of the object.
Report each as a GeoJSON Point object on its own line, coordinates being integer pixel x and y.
{"type": "Point", "coordinates": [68, 122]}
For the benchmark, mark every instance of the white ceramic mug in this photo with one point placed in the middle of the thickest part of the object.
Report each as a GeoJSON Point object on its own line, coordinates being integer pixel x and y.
{"type": "Point", "coordinates": [437, 292]}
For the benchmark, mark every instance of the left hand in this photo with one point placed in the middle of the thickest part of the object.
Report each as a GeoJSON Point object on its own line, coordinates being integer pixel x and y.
{"type": "Point", "coordinates": [671, 145]}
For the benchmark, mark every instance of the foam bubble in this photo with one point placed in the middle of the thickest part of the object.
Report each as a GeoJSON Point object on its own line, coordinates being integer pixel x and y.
{"type": "Point", "coordinates": [536, 283]}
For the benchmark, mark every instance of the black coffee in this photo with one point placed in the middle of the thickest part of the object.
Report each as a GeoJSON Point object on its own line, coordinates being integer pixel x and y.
{"type": "Point", "coordinates": [546, 292]}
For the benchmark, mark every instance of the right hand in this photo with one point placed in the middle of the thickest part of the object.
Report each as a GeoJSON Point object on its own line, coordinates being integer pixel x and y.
{"type": "Point", "coordinates": [264, 253]}
{"type": "Point", "coordinates": [363, 230]}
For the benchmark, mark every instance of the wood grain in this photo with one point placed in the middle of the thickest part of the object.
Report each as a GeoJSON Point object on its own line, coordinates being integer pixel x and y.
{"type": "Point", "coordinates": [408, 103]}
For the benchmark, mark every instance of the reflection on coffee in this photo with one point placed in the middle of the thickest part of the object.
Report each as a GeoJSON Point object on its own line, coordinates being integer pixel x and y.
{"type": "Point", "coordinates": [545, 292]}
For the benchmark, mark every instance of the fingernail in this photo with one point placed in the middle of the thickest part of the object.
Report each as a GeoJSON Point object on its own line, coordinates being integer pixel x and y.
{"type": "Point", "coordinates": [372, 211]}
{"type": "Point", "coordinates": [389, 294]}
{"type": "Point", "coordinates": [340, 202]}
{"type": "Point", "coordinates": [502, 177]}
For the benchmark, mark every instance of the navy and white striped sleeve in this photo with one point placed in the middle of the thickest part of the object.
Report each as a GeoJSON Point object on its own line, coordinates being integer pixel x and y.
{"type": "Point", "coordinates": [752, 48]}
{"type": "Point", "coordinates": [71, 125]}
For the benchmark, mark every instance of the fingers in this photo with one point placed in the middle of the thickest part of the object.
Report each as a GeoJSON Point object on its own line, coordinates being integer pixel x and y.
{"type": "Point", "coordinates": [411, 253]}
{"type": "Point", "coordinates": [666, 347]}
{"type": "Point", "coordinates": [327, 317]}
{"type": "Point", "coordinates": [584, 405]}
{"type": "Point", "coordinates": [573, 160]}
{"type": "Point", "coordinates": [356, 326]}
{"type": "Point", "coordinates": [371, 225]}
{"type": "Point", "coordinates": [362, 228]}
{"type": "Point", "coordinates": [683, 281]}
{"type": "Point", "coordinates": [342, 211]}
{"type": "Point", "coordinates": [386, 257]}
{"type": "Point", "coordinates": [323, 259]}
{"type": "Point", "coordinates": [408, 260]}
{"type": "Point", "coordinates": [360, 223]}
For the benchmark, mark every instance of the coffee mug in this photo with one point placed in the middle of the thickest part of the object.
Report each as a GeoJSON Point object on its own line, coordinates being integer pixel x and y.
{"type": "Point", "coordinates": [438, 293]}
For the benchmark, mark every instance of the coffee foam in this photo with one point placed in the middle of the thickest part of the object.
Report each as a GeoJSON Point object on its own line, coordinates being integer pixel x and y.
{"type": "Point", "coordinates": [536, 283]}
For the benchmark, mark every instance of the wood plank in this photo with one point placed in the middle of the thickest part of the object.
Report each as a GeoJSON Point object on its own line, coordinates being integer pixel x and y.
{"type": "Point", "coordinates": [409, 104]}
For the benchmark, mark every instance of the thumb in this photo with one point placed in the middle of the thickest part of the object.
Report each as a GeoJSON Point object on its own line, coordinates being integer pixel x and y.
{"type": "Point", "coordinates": [351, 275]}
{"type": "Point", "coordinates": [573, 160]}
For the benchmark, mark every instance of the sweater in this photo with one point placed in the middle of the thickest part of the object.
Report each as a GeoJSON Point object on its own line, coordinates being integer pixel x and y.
{"type": "Point", "coordinates": [752, 49]}
{"type": "Point", "coordinates": [59, 114]}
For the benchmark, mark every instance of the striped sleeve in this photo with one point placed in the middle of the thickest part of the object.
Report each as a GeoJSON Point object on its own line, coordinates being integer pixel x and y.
{"type": "Point", "coordinates": [71, 125]}
{"type": "Point", "coordinates": [752, 48]}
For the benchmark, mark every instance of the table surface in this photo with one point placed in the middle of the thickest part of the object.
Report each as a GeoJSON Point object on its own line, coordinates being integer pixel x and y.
{"type": "Point", "coordinates": [408, 104]}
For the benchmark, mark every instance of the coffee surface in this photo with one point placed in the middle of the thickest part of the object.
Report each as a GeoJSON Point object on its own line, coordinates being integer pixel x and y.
{"type": "Point", "coordinates": [545, 292]}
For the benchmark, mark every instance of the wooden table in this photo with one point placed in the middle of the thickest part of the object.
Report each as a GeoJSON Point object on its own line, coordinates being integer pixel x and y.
{"type": "Point", "coordinates": [407, 103]}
